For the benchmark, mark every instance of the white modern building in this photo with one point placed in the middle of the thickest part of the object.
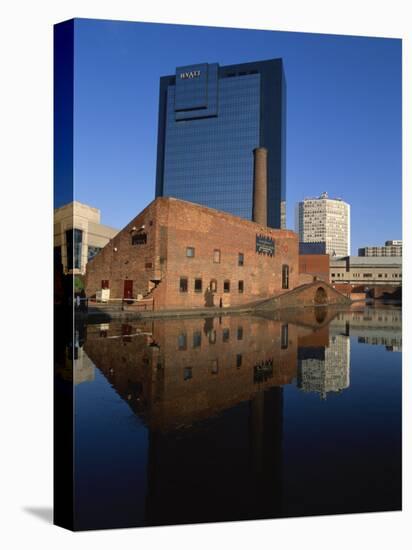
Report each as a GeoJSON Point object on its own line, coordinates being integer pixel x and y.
{"type": "Point", "coordinates": [324, 220]}
{"type": "Point", "coordinates": [78, 236]}
{"type": "Point", "coordinates": [363, 270]}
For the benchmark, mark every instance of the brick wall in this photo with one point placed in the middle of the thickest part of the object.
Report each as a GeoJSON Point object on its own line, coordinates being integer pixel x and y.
{"type": "Point", "coordinates": [315, 265]}
{"type": "Point", "coordinates": [171, 227]}
{"type": "Point", "coordinates": [313, 294]}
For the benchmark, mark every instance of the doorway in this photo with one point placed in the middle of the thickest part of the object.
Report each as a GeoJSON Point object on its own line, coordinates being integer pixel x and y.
{"type": "Point", "coordinates": [128, 289]}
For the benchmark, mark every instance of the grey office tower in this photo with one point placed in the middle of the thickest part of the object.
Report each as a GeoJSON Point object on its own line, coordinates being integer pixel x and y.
{"type": "Point", "coordinates": [211, 119]}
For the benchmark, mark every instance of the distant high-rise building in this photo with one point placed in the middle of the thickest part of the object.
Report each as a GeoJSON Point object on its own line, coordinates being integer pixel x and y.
{"type": "Point", "coordinates": [324, 220]}
{"type": "Point", "coordinates": [391, 248]}
{"type": "Point", "coordinates": [211, 119]}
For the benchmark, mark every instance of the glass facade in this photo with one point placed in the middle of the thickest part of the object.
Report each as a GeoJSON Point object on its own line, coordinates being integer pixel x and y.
{"type": "Point", "coordinates": [211, 119]}
{"type": "Point", "coordinates": [74, 243]}
{"type": "Point", "coordinates": [92, 251]}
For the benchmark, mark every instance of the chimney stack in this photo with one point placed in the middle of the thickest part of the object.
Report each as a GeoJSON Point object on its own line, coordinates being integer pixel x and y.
{"type": "Point", "coordinates": [260, 186]}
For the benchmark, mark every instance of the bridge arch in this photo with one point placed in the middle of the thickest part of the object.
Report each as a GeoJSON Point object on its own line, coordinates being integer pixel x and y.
{"type": "Point", "coordinates": [320, 314]}
{"type": "Point", "coordinates": [321, 297]}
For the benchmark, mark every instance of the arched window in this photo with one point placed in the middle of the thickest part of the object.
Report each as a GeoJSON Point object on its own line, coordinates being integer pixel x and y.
{"type": "Point", "coordinates": [285, 276]}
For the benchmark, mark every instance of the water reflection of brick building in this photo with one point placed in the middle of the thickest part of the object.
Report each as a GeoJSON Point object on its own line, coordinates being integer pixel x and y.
{"type": "Point", "coordinates": [325, 369]}
{"type": "Point", "coordinates": [178, 372]}
{"type": "Point", "coordinates": [190, 380]}
{"type": "Point", "coordinates": [185, 255]}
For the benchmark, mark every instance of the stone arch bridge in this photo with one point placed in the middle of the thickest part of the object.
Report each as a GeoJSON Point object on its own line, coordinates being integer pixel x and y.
{"type": "Point", "coordinates": [317, 293]}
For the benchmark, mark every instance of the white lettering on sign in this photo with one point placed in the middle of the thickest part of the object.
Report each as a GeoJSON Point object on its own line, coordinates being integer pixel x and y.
{"type": "Point", "coordinates": [190, 74]}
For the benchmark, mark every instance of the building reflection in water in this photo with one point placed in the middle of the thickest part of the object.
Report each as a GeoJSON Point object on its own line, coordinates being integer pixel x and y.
{"type": "Point", "coordinates": [325, 369]}
{"type": "Point", "coordinates": [373, 326]}
{"type": "Point", "coordinates": [210, 393]}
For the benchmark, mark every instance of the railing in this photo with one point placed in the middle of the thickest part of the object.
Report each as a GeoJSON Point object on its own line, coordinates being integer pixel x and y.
{"type": "Point", "coordinates": [138, 304]}
{"type": "Point", "coordinates": [124, 304]}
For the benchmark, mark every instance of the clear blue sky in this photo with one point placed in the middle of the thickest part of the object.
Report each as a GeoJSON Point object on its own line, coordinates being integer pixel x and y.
{"type": "Point", "coordinates": [343, 115]}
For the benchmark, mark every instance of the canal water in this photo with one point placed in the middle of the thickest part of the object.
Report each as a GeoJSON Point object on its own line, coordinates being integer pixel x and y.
{"type": "Point", "coordinates": [238, 417]}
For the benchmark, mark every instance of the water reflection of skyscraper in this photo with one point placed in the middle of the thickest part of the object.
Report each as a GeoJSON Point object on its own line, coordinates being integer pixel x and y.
{"type": "Point", "coordinates": [177, 372]}
{"type": "Point", "coordinates": [210, 393]}
{"type": "Point", "coordinates": [325, 369]}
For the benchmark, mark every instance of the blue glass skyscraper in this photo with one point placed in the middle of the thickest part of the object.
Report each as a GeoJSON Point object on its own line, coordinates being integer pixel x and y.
{"type": "Point", "coordinates": [211, 118]}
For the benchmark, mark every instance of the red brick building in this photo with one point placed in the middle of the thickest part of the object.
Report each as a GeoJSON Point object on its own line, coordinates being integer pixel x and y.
{"type": "Point", "coordinates": [314, 267]}
{"type": "Point", "coordinates": [183, 255]}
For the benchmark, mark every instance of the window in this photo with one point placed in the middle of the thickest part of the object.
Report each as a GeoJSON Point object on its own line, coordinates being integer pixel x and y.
{"type": "Point", "coordinates": [198, 285]}
{"type": "Point", "coordinates": [212, 337]}
{"type": "Point", "coordinates": [215, 367]}
{"type": "Point", "coordinates": [92, 251]}
{"type": "Point", "coordinates": [105, 284]}
{"type": "Point", "coordinates": [190, 252]}
{"type": "Point", "coordinates": [216, 256]}
{"type": "Point", "coordinates": [139, 238]}
{"type": "Point", "coordinates": [187, 373]}
{"type": "Point", "coordinates": [225, 335]}
{"type": "Point", "coordinates": [333, 275]}
{"type": "Point", "coordinates": [241, 259]}
{"type": "Point", "coordinates": [240, 333]}
{"type": "Point", "coordinates": [367, 275]}
{"type": "Point", "coordinates": [240, 287]}
{"type": "Point", "coordinates": [226, 286]}
{"type": "Point", "coordinates": [285, 276]}
{"type": "Point", "coordinates": [239, 360]}
{"type": "Point", "coordinates": [380, 275]}
{"type": "Point", "coordinates": [148, 265]}
{"type": "Point", "coordinates": [284, 337]}
{"type": "Point", "coordinates": [213, 285]}
{"type": "Point", "coordinates": [182, 341]}
{"type": "Point", "coordinates": [58, 257]}
{"type": "Point", "coordinates": [197, 339]}
{"type": "Point", "coordinates": [74, 241]}
{"type": "Point", "coordinates": [183, 284]}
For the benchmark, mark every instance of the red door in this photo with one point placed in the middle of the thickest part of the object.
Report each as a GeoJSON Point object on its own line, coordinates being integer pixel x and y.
{"type": "Point", "coordinates": [128, 289]}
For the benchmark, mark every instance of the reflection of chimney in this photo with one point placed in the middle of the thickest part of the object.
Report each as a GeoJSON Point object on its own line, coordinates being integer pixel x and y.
{"type": "Point", "coordinates": [260, 186]}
